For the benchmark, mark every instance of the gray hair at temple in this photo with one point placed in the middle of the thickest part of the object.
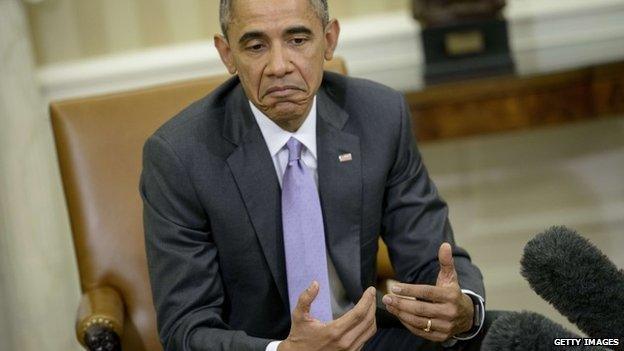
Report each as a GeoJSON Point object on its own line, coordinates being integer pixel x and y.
{"type": "Point", "coordinates": [225, 13]}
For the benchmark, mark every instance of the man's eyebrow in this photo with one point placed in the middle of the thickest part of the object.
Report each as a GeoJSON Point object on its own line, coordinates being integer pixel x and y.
{"type": "Point", "coordinates": [298, 30]}
{"type": "Point", "coordinates": [250, 35]}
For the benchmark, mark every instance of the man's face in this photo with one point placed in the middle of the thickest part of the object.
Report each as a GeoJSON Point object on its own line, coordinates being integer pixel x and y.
{"type": "Point", "coordinates": [278, 47]}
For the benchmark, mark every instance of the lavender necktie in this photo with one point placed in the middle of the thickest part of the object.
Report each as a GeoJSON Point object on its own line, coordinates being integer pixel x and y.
{"type": "Point", "coordinates": [304, 236]}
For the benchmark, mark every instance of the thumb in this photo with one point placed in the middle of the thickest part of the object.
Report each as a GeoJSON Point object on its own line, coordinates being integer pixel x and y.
{"type": "Point", "coordinates": [447, 275]}
{"type": "Point", "coordinates": [302, 310]}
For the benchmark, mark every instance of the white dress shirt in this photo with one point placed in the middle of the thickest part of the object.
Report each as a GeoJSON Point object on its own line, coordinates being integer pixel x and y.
{"type": "Point", "coordinates": [275, 138]}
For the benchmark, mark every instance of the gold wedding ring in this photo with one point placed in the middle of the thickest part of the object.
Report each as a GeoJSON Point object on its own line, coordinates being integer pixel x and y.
{"type": "Point", "coordinates": [428, 328]}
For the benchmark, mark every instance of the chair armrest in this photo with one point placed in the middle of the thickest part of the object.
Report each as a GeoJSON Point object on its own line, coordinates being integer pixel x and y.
{"type": "Point", "coordinates": [100, 319]}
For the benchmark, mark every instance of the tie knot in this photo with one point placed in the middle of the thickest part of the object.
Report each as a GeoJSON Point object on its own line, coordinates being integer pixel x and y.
{"type": "Point", "coordinates": [294, 149]}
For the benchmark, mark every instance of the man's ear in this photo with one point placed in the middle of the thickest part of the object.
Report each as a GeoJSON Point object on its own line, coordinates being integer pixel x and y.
{"type": "Point", "coordinates": [332, 32]}
{"type": "Point", "coordinates": [225, 52]}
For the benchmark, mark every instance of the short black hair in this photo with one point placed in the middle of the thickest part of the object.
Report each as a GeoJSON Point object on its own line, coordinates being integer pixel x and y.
{"type": "Point", "coordinates": [225, 13]}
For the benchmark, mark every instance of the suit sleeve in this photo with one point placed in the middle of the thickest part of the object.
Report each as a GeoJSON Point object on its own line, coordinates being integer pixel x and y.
{"type": "Point", "coordinates": [182, 259]}
{"type": "Point", "coordinates": [415, 219]}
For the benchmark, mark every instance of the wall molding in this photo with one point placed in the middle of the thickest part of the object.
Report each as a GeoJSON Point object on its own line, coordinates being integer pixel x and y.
{"type": "Point", "coordinates": [545, 36]}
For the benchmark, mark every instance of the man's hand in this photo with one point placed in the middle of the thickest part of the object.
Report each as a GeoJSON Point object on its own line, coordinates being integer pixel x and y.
{"type": "Point", "coordinates": [449, 310]}
{"type": "Point", "coordinates": [349, 332]}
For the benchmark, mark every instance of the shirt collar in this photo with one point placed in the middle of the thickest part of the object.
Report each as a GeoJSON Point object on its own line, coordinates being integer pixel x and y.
{"type": "Point", "coordinates": [276, 137]}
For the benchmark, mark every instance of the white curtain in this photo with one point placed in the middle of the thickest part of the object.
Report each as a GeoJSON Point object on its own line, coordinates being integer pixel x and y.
{"type": "Point", "coordinates": [39, 288]}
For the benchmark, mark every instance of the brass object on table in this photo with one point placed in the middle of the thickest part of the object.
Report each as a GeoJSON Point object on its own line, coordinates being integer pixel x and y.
{"type": "Point", "coordinates": [463, 38]}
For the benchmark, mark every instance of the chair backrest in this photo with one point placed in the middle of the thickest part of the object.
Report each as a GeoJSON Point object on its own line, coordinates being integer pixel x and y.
{"type": "Point", "coordinates": [99, 142]}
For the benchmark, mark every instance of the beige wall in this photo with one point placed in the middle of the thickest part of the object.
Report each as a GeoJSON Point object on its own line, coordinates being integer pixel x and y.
{"type": "Point", "coordinates": [39, 289]}
{"type": "Point", "coordinates": [64, 30]}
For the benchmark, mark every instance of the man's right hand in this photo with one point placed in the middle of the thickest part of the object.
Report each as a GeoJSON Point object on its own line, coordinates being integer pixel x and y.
{"type": "Point", "coordinates": [349, 332]}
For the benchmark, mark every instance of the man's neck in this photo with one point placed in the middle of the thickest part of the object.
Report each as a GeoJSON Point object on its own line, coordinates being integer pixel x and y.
{"type": "Point", "coordinates": [292, 125]}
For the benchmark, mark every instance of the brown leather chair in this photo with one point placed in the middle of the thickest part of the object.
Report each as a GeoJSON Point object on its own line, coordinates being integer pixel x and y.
{"type": "Point", "coordinates": [99, 142]}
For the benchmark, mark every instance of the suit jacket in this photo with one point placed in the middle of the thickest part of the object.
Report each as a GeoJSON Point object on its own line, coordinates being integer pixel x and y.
{"type": "Point", "coordinates": [212, 212]}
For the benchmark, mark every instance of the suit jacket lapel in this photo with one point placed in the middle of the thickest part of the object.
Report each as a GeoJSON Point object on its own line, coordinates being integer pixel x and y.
{"type": "Point", "coordinates": [340, 187]}
{"type": "Point", "coordinates": [254, 173]}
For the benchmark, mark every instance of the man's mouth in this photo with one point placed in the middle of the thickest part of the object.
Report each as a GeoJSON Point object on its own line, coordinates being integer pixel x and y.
{"type": "Point", "coordinates": [281, 91]}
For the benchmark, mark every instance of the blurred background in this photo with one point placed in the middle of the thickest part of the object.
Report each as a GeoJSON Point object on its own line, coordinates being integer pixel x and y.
{"type": "Point", "coordinates": [513, 150]}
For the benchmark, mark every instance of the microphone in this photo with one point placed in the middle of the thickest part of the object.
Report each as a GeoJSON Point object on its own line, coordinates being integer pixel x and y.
{"type": "Point", "coordinates": [568, 271]}
{"type": "Point", "coordinates": [521, 331]}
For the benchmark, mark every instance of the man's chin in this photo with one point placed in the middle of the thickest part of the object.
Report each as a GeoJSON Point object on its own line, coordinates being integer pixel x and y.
{"type": "Point", "coordinates": [285, 114]}
{"type": "Point", "coordinates": [285, 110]}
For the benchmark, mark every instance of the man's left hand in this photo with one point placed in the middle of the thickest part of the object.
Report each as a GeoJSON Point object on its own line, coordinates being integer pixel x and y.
{"type": "Point", "coordinates": [432, 312]}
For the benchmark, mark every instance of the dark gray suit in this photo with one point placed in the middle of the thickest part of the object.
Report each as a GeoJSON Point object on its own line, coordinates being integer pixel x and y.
{"type": "Point", "coordinates": [213, 218]}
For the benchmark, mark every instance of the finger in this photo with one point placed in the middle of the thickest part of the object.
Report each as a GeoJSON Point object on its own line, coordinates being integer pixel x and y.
{"type": "Point", "coordinates": [302, 310]}
{"type": "Point", "coordinates": [447, 274]}
{"type": "Point", "coordinates": [429, 293]}
{"type": "Point", "coordinates": [365, 336]}
{"type": "Point", "coordinates": [415, 307]}
{"type": "Point", "coordinates": [431, 335]}
{"type": "Point", "coordinates": [440, 324]}
{"type": "Point", "coordinates": [357, 313]}
{"type": "Point", "coordinates": [361, 332]}
{"type": "Point", "coordinates": [440, 330]}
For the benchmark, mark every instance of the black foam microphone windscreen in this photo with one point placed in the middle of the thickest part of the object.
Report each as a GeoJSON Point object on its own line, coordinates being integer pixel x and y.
{"type": "Point", "coordinates": [568, 271]}
{"type": "Point", "coordinates": [521, 331]}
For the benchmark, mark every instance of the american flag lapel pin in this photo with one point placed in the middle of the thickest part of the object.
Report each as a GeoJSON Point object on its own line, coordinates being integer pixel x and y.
{"type": "Point", "coordinates": [345, 157]}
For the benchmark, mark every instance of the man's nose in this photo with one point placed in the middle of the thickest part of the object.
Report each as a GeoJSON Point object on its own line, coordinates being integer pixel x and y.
{"type": "Point", "coordinates": [279, 63]}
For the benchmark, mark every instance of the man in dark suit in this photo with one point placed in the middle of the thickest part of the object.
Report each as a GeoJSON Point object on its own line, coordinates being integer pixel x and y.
{"type": "Point", "coordinates": [263, 203]}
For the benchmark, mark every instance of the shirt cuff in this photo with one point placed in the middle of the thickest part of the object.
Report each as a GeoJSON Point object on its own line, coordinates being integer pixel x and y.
{"type": "Point", "coordinates": [272, 346]}
{"type": "Point", "coordinates": [479, 316]}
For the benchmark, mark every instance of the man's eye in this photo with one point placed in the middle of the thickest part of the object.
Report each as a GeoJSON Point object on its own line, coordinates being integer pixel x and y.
{"type": "Point", "coordinates": [255, 47]}
{"type": "Point", "coordinates": [298, 41]}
